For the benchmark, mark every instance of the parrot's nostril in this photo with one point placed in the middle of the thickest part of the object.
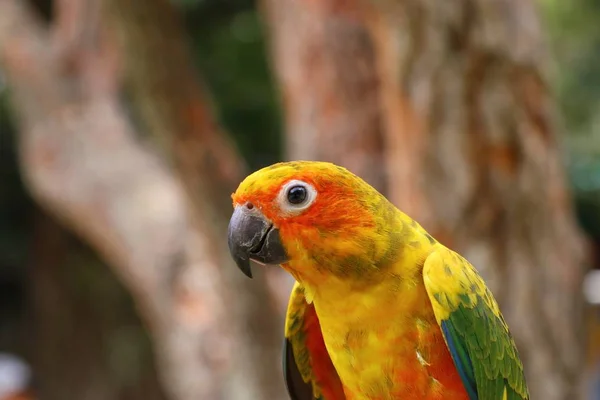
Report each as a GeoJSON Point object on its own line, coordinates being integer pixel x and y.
{"type": "Point", "coordinates": [249, 206]}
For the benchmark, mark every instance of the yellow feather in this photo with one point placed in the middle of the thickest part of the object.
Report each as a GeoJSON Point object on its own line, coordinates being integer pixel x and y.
{"type": "Point", "coordinates": [379, 283]}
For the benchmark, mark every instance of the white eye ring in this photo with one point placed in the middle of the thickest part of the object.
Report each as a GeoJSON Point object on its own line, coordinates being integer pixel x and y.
{"type": "Point", "coordinates": [291, 208]}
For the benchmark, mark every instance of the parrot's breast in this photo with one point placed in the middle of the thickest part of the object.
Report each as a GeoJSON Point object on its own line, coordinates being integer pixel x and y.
{"type": "Point", "coordinates": [393, 351]}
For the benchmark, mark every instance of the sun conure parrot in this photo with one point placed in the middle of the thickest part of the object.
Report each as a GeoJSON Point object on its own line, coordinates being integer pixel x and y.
{"type": "Point", "coordinates": [380, 309]}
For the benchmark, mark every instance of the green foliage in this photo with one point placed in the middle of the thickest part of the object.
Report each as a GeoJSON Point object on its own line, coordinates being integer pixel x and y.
{"type": "Point", "coordinates": [575, 40]}
{"type": "Point", "coordinates": [229, 48]}
{"type": "Point", "coordinates": [15, 205]}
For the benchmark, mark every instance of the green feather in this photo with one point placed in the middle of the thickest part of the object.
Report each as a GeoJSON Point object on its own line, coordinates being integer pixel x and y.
{"type": "Point", "coordinates": [475, 331]}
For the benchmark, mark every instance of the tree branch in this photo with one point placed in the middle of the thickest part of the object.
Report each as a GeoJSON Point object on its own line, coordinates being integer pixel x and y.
{"type": "Point", "coordinates": [81, 161]}
{"type": "Point", "coordinates": [172, 103]}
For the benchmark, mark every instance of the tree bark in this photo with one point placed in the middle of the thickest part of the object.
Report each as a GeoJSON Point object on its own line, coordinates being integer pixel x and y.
{"type": "Point", "coordinates": [470, 146]}
{"type": "Point", "coordinates": [84, 162]}
{"type": "Point", "coordinates": [325, 61]}
{"type": "Point", "coordinates": [83, 348]}
{"type": "Point", "coordinates": [172, 104]}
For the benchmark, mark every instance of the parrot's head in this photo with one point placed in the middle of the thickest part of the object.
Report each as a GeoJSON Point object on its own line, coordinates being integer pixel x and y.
{"type": "Point", "coordinates": [316, 219]}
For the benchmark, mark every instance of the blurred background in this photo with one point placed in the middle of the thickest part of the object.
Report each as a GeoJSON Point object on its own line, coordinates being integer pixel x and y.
{"type": "Point", "coordinates": [126, 124]}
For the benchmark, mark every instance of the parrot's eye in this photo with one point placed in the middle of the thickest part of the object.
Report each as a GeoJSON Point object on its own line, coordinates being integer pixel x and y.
{"type": "Point", "coordinates": [296, 196]}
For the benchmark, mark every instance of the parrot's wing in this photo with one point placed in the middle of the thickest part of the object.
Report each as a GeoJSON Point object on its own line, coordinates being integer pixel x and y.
{"type": "Point", "coordinates": [309, 372]}
{"type": "Point", "coordinates": [476, 334]}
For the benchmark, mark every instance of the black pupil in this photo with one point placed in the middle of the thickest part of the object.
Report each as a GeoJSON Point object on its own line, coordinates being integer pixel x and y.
{"type": "Point", "coordinates": [296, 195]}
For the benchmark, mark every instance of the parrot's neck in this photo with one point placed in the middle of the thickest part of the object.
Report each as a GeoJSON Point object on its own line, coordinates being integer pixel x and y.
{"type": "Point", "coordinates": [386, 325]}
{"type": "Point", "coordinates": [355, 297]}
{"type": "Point", "coordinates": [402, 292]}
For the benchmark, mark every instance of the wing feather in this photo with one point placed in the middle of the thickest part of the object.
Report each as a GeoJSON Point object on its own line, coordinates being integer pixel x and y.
{"type": "Point", "coordinates": [476, 334]}
{"type": "Point", "coordinates": [308, 370]}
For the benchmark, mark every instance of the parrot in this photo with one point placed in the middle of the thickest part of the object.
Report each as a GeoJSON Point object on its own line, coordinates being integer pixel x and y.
{"type": "Point", "coordinates": [379, 308]}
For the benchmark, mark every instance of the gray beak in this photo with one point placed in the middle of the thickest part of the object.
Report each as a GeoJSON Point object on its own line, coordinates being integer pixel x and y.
{"type": "Point", "coordinates": [252, 237]}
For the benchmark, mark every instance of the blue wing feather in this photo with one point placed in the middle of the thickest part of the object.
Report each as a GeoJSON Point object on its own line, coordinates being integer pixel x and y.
{"type": "Point", "coordinates": [476, 334]}
{"type": "Point", "coordinates": [461, 361]}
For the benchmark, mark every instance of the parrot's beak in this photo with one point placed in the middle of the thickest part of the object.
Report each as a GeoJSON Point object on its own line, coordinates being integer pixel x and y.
{"type": "Point", "coordinates": [251, 236]}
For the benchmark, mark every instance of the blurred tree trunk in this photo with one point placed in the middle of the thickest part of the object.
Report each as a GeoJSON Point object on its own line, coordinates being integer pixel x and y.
{"type": "Point", "coordinates": [326, 64]}
{"type": "Point", "coordinates": [88, 342]}
{"type": "Point", "coordinates": [172, 104]}
{"type": "Point", "coordinates": [470, 145]}
{"type": "Point", "coordinates": [162, 231]}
